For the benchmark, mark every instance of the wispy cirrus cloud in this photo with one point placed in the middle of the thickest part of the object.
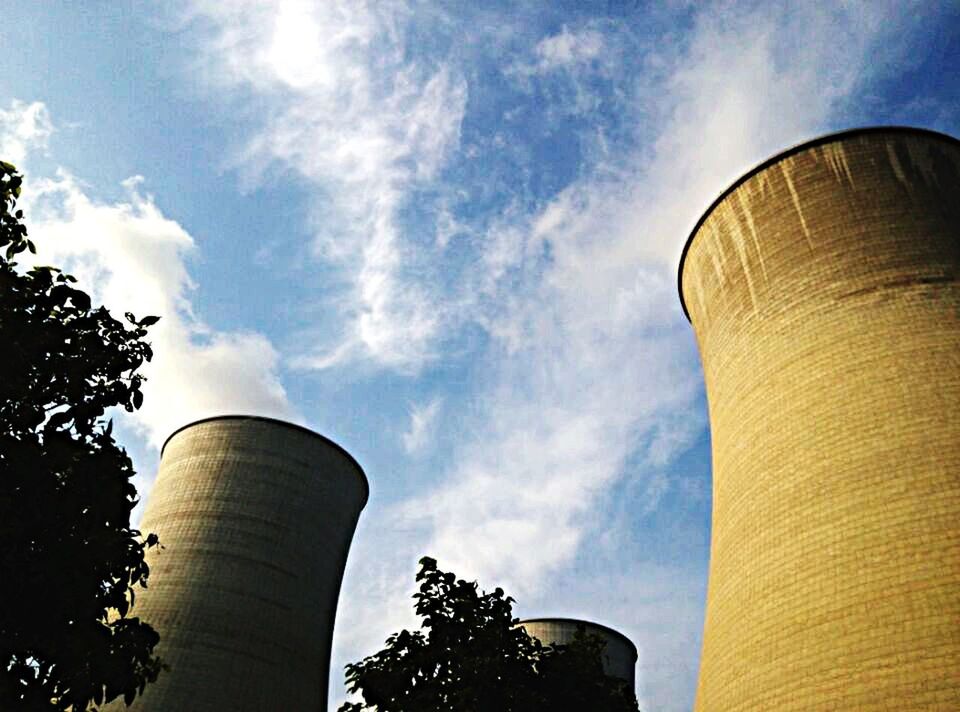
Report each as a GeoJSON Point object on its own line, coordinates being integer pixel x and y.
{"type": "Point", "coordinates": [351, 113]}
{"type": "Point", "coordinates": [422, 423]}
{"type": "Point", "coordinates": [567, 48]}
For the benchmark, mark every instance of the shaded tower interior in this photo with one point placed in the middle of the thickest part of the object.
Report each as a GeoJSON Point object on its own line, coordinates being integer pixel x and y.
{"type": "Point", "coordinates": [256, 518]}
{"type": "Point", "coordinates": [822, 289]}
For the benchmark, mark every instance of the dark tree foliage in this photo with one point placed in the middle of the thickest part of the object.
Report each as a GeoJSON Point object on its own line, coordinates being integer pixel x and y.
{"type": "Point", "coordinates": [68, 557]}
{"type": "Point", "coordinates": [474, 658]}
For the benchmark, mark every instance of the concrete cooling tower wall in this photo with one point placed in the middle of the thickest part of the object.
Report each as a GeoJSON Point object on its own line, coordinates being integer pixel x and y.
{"type": "Point", "coordinates": [619, 655]}
{"type": "Point", "coordinates": [823, 291]}
{"type": "Point", "coordinates": [256, 517]}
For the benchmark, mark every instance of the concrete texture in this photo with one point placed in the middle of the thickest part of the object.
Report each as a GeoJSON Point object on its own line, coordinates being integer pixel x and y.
{"type": "Point", "coordinates": [823, 291]}
{"type": "Point", "coordinates": [619, 657]}
{"type": "Point", "coordinates": [256, 517]}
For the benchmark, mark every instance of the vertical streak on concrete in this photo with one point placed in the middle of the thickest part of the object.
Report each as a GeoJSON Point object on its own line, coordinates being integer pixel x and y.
{"type": "Point", "coordinates": [732, 222]}
{"type": "Point", "coordinates": [836, 158]}
{"type": "Point", "coordinates": [748, 216]}
{"type": "Point", "coordinates": [698, 286]}
{"type": "Point", "coordinates": [897, 167]}
{"type": "Point", "coordinates": [786, 168]}
{"type": "Point", "coordinates": [715, 256]}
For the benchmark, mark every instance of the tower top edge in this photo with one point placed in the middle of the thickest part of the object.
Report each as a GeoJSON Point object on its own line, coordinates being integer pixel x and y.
{"type": "Point", "coordinates": [787, 153]}
{"type": "Point", "coordinates": [586, 624]}
{"type": "Point", "coordinates": [279, 423]}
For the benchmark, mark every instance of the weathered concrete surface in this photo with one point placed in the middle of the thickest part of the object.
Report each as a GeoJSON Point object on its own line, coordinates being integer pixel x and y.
{"type": "Point", "coordinates": [256, 517]}
{"type": "Point", "coordinates": [823, 292]}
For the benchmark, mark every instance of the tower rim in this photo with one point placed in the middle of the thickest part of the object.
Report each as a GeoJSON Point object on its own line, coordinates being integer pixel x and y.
{"type": "Point", "coordinates": [787, 153]}
{"type": "Point", "coordinates": [582, 621]}
{"type": "Point", "coordinates": [284, 423]}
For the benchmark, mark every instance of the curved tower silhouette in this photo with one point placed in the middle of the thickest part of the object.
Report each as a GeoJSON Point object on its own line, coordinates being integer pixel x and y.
{"type": "Point", "coordinates": [619, 655]}
{"type": "Point", "coordinates": [822, 287]}
{"type": "Point", "coordinates": [256, 517]}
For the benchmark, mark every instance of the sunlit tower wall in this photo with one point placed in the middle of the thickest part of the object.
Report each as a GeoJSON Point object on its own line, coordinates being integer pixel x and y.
{"type": "Point", "coordinates": [256, 517]}
{"type": "Point", "coordinates": [619, 654]}
{"type": "Point", "coordinates": [822, 288]}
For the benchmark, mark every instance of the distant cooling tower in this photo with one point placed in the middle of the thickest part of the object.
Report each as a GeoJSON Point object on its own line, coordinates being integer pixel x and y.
{"type": "Point", "coordinates": [619, 656]}
{"type": "Point", "coordinates": [256, 517]}
{"type": "Point", "coordinates": [822, 287]}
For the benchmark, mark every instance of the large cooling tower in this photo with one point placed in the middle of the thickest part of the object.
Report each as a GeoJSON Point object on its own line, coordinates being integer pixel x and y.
{"type": "Point", "coordinates": [619, 655]}
{"type": "Point", "coordinates": [822, 287]}
{"type": "Point", "coordinates": [256, 517]}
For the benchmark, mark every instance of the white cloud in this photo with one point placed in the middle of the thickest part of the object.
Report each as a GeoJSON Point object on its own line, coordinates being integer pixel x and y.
{"type": "Point", "coordinates": [422, 421]}
{"type": "Point", "coordinates": [130, 257]}
{"type": "Point", "coordinates": [567, 66]}
{"type": "Point", "coordinates": [23, 127]}
{"type": "Point", "coordinates": [556, 437]}
{"type": "Point", "coordinates": [348, 112]}
{"type": "Point", "coordinates": [566, 48]}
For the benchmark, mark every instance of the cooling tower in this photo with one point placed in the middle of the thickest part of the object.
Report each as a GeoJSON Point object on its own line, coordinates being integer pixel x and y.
{"type": "Point", "coordinates": [256, 517]}
{"type": "Point", "coordinates": [619, 655]}
{"type": "Point", "coordinates": [822, 288]}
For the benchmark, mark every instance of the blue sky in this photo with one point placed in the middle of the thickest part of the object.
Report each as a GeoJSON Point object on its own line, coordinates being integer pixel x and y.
{"type": "Point", "coordinates": [446, 237]}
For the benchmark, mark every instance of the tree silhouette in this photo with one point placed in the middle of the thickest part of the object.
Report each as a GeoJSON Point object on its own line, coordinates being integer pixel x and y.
{"type": "Point", "coordinates": [68, 557]}
{"type": "Point", "coordinates": [474, 657]}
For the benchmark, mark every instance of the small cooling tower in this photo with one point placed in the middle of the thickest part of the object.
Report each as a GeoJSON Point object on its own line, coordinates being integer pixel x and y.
{"type": "Point", "coordinates": [619, 655]}
{"type": "Point", "coordinates": [822, 288]}
{"type": "Point", "coordinates": [256, 517]}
